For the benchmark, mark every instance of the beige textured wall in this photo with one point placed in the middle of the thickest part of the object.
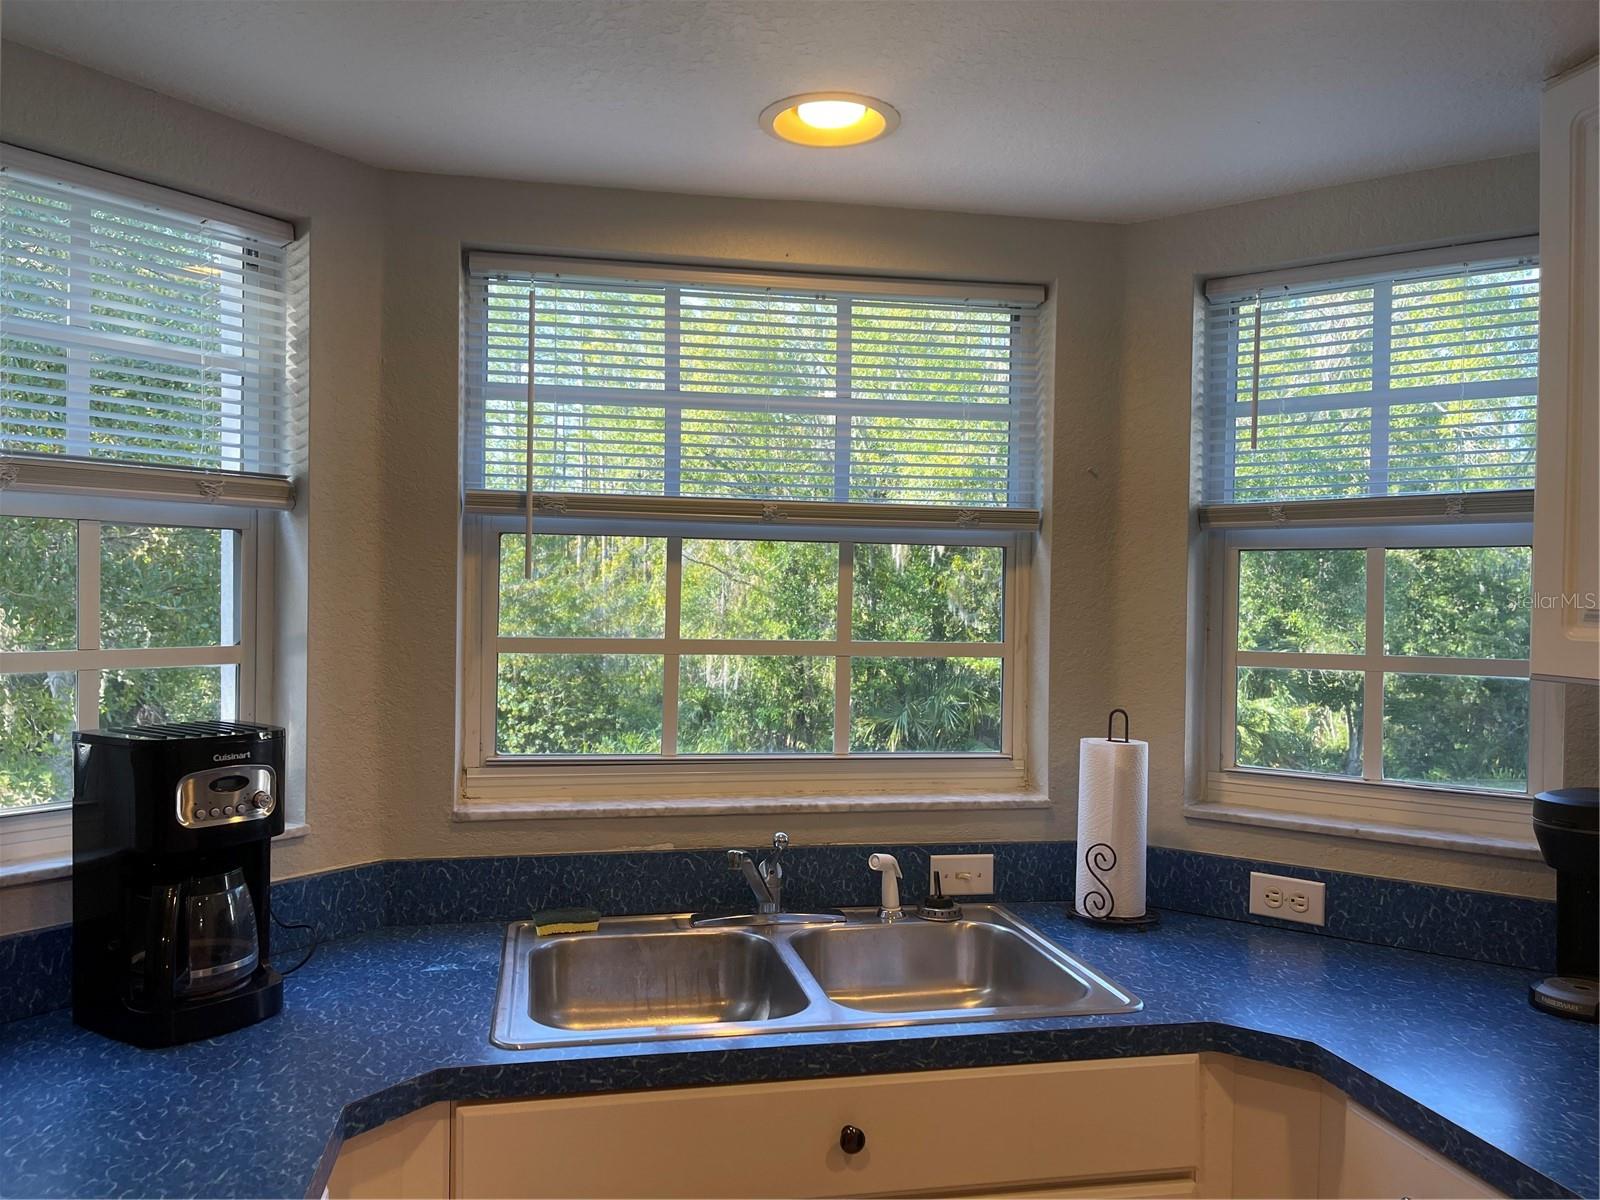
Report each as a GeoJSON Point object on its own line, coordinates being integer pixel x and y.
{"type": "Point", "coordinates": [379, 540]}
{"type": "Point", "coordinates": [1155, 565]}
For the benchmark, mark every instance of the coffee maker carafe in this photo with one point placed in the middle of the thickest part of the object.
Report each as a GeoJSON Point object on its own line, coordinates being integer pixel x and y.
{"type": "Point", "coordinates": [172, 828]}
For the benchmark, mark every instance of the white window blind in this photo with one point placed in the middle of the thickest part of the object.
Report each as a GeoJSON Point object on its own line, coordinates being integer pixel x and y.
{"type": "Point", "coordinates": [679, 382]}
{"type": "Point", "coordinates": [138, 325]}
{"type": "Point", "coordinates": [1399, 376]}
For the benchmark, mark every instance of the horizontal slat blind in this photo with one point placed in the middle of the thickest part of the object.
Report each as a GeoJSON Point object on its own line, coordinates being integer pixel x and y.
{"type": "Point", "coordinates": [1415, 381]}
{"type": "Point", "coordinates": [136, 331]}
{"type": "Point", "coordinates": [702, 388]}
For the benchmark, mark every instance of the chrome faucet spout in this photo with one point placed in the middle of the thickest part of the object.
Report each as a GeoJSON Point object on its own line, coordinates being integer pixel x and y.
{"type": "Point", "coordinates": [766, 880]}
{"type": "Point", "coordinates": [738, 860]}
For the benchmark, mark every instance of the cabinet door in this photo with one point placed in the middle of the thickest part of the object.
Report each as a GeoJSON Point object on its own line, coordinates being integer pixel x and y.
{"type": "Point", "coordinates": [1003, 1130]}
{"type": "Point", "coordinates": [1566, 533]}
{"type": "Point", "coordinates": [1366, 1157]}
{"type": "Point", "coordinates": [406, 1159]}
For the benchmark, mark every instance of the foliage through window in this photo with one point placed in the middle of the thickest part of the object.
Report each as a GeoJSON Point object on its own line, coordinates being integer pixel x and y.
{"type": "Point", "coordinates": [684, 646]}
{"type": "Point", "coordinates": [114, 622]}
{"type": "Point", "coordinates": [1373, 382]}
{"type": "Point", "coordinates": [761, 390]}
{"type": "Point", "coordinates": [1400, 663]}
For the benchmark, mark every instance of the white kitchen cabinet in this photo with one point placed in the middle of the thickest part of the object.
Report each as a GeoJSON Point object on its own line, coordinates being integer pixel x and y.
{"type": "Point", "coordinates": [1179, 1125]}
{"type": "Point", "coordinates": [1295, 1137]}
{"type": "Point", "coordinates": [1566, 527]}
{"type": "Point", "coordinates": [1030, 1130]}
{"type": "Point", "coordinates": [406, 1159]}
{"type": "Point", "coordinates": [1364, 1156]}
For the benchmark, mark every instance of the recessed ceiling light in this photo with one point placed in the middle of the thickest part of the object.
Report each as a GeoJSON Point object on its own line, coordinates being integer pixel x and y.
{"type": "Point", "coordinates": [829, 119]}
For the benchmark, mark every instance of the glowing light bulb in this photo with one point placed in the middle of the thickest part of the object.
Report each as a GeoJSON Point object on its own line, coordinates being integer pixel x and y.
{"type": "Point", "coordinates": [831, 114]}
{"type": "Point", "coordinates": [827, 119]}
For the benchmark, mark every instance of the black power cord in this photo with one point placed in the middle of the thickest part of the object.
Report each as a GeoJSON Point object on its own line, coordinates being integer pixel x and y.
{"type": "Point", "coordinates": [312, 949]}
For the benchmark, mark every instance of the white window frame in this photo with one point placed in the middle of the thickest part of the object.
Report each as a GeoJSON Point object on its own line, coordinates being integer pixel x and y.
{"type": "Point", "coordinates": [495, 785]}
{"type": "Point", "coordinates": [31, 836]}
{"type": "Point", "coordinates": [1371, 807]}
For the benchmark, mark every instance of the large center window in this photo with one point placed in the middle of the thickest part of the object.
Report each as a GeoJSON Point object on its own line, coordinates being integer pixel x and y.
{"type": "Point", "coordinates": [714, 517]}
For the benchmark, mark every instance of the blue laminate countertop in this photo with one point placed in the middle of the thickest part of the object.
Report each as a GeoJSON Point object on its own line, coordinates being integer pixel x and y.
{"type": "Point", "coordinates": [383, 1023]}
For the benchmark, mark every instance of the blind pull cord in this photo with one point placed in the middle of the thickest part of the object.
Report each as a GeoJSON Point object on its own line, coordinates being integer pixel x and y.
{"type": "Point", "coordinates": [1255, 376]}
{"type": "Point", "coordinates": [527, 458]}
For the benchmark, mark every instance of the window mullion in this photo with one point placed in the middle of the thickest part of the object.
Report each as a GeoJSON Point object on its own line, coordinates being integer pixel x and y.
{"type": "Point", "coordinates": [1230, 397]}
{"type": "Point", "coordinates": [669, 659]}
{"type": "Point", "coordinates": [88, 621]}
{"type": "Point", "coordinates": [1372, 680]}
{"type": "Point", "coordinates": [1228, 734]}
{"type": "Point", "coordinates": [841, 664]}
{"type": "Point", "coordinates": [844, 330]}
{"type": "Point", "coordinates": [487, 547]}
{"type": "Point", "coordinates": [672, 371]}
{"type": "Point", "coordinates": [1382, 315]}
{"type": "Point", "coordinates": [79, 314]}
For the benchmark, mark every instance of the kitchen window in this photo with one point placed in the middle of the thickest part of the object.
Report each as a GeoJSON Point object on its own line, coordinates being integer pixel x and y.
{"type": "Point", "coordinates": [143, 369]}
{"type": "Point", "coordinates": [780, 532]}
{"type": "Point", "coordinates": [146, 613]}
{"type": "Point", "coordinates": [1368, 464]}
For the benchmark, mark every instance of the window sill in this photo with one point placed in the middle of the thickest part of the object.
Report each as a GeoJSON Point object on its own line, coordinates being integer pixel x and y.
{"type": "Point", "coordinates": [59, 866]}
{"type": "Point", "coordinates": [731, 806]}
{"type": "Point", "coordinates": [1462, 821]}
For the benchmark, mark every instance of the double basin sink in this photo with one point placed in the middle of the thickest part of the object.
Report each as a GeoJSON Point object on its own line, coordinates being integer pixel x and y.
{"type": "Point", "coordinates": [663, 977]}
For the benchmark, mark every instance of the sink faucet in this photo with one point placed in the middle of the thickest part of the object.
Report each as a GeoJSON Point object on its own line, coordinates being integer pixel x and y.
{"type": "Point", "coordinates": [890, 909]}
{"type": "Point", "coordinates": [766, 881]}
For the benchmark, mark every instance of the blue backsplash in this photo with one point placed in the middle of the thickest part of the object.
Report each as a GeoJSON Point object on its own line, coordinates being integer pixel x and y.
{"type": "Point", "coordinates": [35, 967]}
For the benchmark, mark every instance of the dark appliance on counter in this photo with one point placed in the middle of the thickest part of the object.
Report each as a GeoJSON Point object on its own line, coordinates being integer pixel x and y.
{"type": "Point", "coordinates": [1567, 824]}
{"type": "Point", "coordinates": [172, 830]}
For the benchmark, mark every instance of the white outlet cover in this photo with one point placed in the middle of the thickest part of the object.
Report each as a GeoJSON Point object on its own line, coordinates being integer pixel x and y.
{"type": "Point", "coordinates": [963, 874]}
{"type": "Point", "coordinates": [1288, 898]}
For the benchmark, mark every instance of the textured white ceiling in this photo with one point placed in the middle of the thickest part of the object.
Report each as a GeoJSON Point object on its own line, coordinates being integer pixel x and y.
{"type": "Point", "coordinates": [1118, 110]}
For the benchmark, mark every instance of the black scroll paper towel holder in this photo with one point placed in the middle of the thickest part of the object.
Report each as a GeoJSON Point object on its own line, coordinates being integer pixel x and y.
{"type": "Point", "coordinates": [1112, 838]}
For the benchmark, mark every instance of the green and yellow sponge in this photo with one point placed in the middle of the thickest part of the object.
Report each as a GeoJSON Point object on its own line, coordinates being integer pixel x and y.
{"type": "Point", "coordinates": [566, 920]}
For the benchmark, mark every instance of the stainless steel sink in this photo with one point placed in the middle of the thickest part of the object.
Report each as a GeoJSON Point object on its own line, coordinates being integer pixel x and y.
{"type": "Point", "coordinates": [644, 980]}
{"type": "Point", "coordinates": [919, 966]}
{"type": "Point", "coordinates": [655, 978]}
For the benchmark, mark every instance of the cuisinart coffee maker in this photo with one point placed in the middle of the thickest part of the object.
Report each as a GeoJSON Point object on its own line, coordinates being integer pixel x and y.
{"type": "Point", "coordinates": [172, 830]}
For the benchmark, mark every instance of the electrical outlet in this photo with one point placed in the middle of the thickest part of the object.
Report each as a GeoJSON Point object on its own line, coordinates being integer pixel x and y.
{"type": "Point", "coordinates": [963, 874]}
{"type": "Point", "coordinates": [1288, 898]}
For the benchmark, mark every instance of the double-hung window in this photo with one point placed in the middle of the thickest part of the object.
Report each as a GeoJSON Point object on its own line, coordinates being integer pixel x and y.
{"type": "Point", "coordinates": [1367, 473]}
{"type": "Point", "coordinates": [720, 517]}
{"type": "Point", "coordinates": [142, 429]}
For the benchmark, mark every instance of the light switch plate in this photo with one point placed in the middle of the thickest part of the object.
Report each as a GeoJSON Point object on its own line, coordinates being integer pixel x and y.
{"type": "Point", "coordinates": [963, 874]}
{"type": "Point", "coordinates": [1288, 898]}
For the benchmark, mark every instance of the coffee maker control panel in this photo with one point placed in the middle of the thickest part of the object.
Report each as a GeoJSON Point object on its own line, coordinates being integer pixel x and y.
{"type": "Point", "coordinates": [227, 795]}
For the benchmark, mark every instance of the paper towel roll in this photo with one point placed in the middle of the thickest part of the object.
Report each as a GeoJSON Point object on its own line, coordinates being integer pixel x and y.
{"type": "Point", "coordinates": [1113, 781]}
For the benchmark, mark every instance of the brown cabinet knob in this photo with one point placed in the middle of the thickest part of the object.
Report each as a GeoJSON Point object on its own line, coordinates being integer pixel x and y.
{"type": "Point", "coordinates": [852, 1140]}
